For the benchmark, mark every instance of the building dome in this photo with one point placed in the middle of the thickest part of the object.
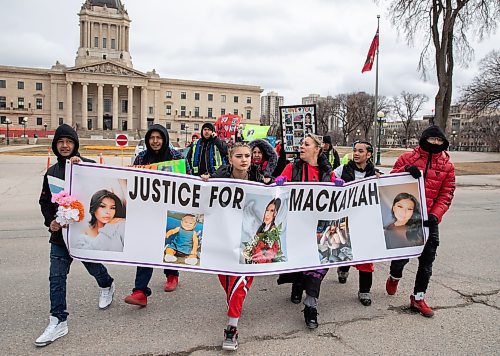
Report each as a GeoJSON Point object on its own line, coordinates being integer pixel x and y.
{"type": "Point", "coordinates": [113, 4]}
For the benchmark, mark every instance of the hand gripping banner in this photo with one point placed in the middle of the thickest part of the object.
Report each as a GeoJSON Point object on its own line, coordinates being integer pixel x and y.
{"type": "Point", "coordinates": [162, 219]}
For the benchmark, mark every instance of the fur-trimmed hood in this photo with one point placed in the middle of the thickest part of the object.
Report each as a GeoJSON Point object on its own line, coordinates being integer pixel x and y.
{"type": "Point", "coordinates": [269, 155]}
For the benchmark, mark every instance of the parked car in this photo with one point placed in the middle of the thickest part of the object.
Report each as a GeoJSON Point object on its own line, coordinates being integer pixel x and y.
{"type": "Point", "coordinates": [141, 146]}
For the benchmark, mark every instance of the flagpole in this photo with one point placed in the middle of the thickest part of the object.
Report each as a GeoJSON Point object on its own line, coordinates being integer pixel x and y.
{"type": "Point", "coordinates": [375, 116]}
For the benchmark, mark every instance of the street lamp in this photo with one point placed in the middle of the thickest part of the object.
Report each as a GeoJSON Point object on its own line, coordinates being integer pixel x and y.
{"type": "Point", "coordinates": [380, 116]}
{"type": "Point", "coordinates": [394, 138]}
{"type": "Point", "coordinates": [25, 121]}
{"type": "Point", "coordinates": [453, 135]}
{"type": "Point", "coordinates": [8, 122]}
{"type": "Point", "coordinates": [45, 126]}
{"type": "Point", "coordinates": [358, 133]}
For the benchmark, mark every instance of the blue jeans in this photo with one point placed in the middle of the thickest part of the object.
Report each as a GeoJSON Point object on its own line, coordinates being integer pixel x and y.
{"type": "Point", "coordinates": [143, 276]}
{"type": "Point", "coordinates": [60, 262]}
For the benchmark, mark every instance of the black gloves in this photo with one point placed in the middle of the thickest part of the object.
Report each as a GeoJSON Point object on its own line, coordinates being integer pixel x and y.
{"type": "Point", "coordinates": [432, 220]}
{"type": "Point", "coordinates": [414, 171]}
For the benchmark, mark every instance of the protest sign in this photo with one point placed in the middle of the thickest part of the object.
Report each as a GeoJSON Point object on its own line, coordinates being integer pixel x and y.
{"type": "Point", "coordinates": [164, 219]}
{"type": "Point", "coordinates": [252, 132]}
{"type": "Point", "coordinates": [296, 122]}
{"type": "Point", "coordinates": [226, 126]}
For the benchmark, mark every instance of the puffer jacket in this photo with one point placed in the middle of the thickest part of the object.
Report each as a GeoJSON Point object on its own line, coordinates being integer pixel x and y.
{"type": "Point", "coordinates": [269, 154]}
{"type": "Point", "coordinates": [439, 177]}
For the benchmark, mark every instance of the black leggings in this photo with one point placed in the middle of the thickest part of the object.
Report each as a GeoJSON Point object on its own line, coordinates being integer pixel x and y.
{"type": "Point", "coordinates": [425, 262]}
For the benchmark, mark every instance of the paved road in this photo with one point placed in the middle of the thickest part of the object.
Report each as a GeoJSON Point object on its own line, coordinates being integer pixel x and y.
{"type": "Point", "coordinates": [464, 291]}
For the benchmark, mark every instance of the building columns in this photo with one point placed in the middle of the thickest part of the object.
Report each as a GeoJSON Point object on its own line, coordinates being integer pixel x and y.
{"type": "Point", "coordinates": [53, 106]}
{"type": "Point", "coordinates": [130, 107]}
{"type": "Point", "coordinates": [157, 110]}
{"type": "Point", "coordinates": [85, 113]}
{"type": "Point", "coordinates": [100, 106]}
{"type": "Point", "coordinates": [115, 107]}
{"type": "Point", "coordinates": [144, 108]}
{"type": "Point", "coordinates": [69, 104]}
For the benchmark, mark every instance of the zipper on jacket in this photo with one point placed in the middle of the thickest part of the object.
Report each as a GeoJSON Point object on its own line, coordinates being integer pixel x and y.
{"type": "Point", "coordinates": [428, 164]}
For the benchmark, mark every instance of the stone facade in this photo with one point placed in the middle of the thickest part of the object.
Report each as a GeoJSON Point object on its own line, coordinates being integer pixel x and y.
{"type": "Point", "coordinates": [103, 92]}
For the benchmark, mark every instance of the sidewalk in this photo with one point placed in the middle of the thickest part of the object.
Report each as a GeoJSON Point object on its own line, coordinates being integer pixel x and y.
{"type": "Point", "coordinates": [11, 148]}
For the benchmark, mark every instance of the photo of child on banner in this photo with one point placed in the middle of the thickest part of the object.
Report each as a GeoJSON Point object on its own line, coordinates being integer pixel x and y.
{"type": "Point", "coordinates": [401, 216]}
{"type": "Point", "coordinates": [183, 238]}
{"type": "Point", "coordinates": [103, 228]}
{"type": "Point", "coordinates": [297, 121]}
{"type": "Point", "coordinates": [334, 242]}
{"type": "Point", "coordinates": [264, 230]}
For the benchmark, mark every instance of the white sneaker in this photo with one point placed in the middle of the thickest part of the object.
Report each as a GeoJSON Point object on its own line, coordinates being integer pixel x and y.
{"type": "Point", "coordinates": [54, 331]}
{"type": "Point", "coordinates": [106, 296]}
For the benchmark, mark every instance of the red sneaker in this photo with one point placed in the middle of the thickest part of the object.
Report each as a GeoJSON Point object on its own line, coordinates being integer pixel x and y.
{"type": "Point", "coordinates": [171, 283]}
{"type": "Point", "coordinates": [421, 306]}
{"type": "Point", "coordinates": [137, 298]}
{"type": "Point", "coordinates": [391, 285]}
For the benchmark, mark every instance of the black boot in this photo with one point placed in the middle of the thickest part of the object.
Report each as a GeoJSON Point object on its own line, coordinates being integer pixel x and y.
{"type": "Point", "coordinates": [296, 296]}
{"type": "Point", "coordinates": [311, 317]}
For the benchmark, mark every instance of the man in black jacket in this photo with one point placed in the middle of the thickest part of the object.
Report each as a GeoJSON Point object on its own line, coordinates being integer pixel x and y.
{"type": "Point", "coordinates": [65, 146]}
{"type": "Point", "coordinates": [330, 152]}
{"type": "Point", "coordinates": [208, 153]}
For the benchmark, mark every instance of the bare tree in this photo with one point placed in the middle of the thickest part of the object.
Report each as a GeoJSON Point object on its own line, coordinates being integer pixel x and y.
{"type": "Point", "coordinates": [347, 114]}
{"type": "Point", "coordinates": [406, 106]}
{"type": "Point", "coordinates": [367, 111]}
{"type": "Point", "coordinates": [325, 111]}
{"type": "Point", "coordinates": [446, 25]}
{"type": "Point", "coordinates": [484, 91]}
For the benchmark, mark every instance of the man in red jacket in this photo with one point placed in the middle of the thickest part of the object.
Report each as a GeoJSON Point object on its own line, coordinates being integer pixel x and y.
{"type": "Point", "coordinates": [429, 156]}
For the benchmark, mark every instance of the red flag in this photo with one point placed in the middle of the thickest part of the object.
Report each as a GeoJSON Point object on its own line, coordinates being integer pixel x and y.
{"type": "Point", "coordinates": [370, 58]}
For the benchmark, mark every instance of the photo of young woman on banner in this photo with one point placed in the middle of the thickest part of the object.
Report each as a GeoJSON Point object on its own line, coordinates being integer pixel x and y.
{"type": "Point", "coordinates": [267, 243]}
{"type": "Point", "coordinates": [103, 228]}
{"type": "Point", "coordinates": [296, 122]}
{"type": "Point", "coordinates": [401, 216]}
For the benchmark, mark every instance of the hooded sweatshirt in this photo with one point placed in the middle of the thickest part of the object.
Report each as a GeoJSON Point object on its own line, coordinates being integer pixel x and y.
{"type": "Point", "coordinates": [57, 170]}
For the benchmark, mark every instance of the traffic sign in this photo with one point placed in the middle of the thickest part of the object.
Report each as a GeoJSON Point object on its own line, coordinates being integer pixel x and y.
{"type": "Point", "coordinates": [122, 140]}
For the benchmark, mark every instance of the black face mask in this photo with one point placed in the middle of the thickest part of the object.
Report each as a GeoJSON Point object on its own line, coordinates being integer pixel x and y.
{"type": "Point", "coordinates": [431, 148]}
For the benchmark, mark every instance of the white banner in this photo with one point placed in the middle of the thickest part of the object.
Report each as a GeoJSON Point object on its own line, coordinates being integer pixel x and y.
{"type": "Point", "coordinates": [162, 219]}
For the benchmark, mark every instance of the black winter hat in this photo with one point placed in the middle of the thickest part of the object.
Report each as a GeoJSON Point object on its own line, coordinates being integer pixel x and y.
{"type": "Point", "coordinates": [67, 131]}
{"type": "Point", "coordinates": [209, 126]}
{"type": "Point", "coordinates": [327, 139]}
{"type": "Point", "coordinates": [433, 131]}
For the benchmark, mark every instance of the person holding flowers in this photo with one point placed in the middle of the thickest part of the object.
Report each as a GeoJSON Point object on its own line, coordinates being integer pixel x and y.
{"type": "Point", "coordinates": [65, 146]}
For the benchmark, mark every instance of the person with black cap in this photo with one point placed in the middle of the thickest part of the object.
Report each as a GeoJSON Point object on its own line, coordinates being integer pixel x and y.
{"type": "Point", "coordinates": [65, 146]}
{"type": "Point", "coordinates": [209, 152]}
{"type": "Point", "coordinates": [429, 156]}
{"type": "Point", "coordinates": [158, 149]}
{"type": "Point", "coordinates": [330, 152]}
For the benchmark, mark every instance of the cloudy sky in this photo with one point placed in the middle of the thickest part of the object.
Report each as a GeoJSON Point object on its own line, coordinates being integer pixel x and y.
{"type": "Point", "coordinates": [294, 47]}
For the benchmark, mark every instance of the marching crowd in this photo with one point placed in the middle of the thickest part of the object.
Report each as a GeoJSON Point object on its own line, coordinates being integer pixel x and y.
{"type": "Point", "coordinates": [209, 157]}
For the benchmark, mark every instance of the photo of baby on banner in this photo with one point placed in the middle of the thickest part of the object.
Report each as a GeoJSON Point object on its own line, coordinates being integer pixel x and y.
{"type": "Point", "coordinates": [334, 243]}
{"type": "Point", "coordinates": [103, 227]}
{"type": "Point", "coordinates": [401, 215]}
{"type": "Point", "coordinates": [183, 238]}
{"type": "Point", "coordinates": [264, 229]}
